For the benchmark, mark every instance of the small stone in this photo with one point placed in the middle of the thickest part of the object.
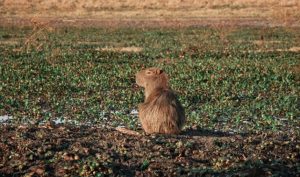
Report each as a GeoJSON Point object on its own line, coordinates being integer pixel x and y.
{"type": "Point", "coordinates": [76, 157]}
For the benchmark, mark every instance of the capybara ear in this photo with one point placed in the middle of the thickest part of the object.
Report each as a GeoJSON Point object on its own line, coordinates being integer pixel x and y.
{"type": "Point", "coordinates": [158, 71]}
{"type": "Point", "coordinates": [153, 71]}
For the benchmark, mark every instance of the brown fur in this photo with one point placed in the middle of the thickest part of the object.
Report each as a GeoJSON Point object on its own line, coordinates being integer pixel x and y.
{"type": "Point", "coordinates": [161, 112]}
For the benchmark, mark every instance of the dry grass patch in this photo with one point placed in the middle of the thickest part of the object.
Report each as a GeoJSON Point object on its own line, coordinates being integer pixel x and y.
{"type": "Point", "coordinates": [291, 49]}
{"type": "Point", "coordinates": [261, 42]}
{"type": "Point", "coordinates": [121, 49]}
{"type": "Point", "coordinates": [89, 42]}
{"type": "Point", "coordinates": [285, 11]}
{"type": "Point", "coordinates": [294, 49]}
{"type": "Point", "coordinates": [10, 42]}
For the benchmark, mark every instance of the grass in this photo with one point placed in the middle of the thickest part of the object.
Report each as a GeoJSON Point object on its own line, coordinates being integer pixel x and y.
{"type": "Point", "coordinates": [225, 79]}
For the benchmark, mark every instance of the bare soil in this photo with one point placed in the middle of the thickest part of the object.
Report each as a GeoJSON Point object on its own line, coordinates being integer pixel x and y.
{"type": "Point", "coordinates": [90, 151]}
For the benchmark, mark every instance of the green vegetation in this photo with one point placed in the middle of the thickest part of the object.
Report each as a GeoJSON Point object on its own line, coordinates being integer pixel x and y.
{"type": "Point", "coordinates": [229, 79]}
{"type": "Point", "coordinates": [243, 80]}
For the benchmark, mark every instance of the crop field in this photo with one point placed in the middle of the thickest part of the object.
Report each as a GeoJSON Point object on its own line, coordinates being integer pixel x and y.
{"type": "Point", "coordinates": [239, 87]}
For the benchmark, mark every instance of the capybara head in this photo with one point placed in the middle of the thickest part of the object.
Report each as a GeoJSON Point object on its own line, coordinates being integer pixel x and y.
{"type": "Point", "coordinates": [152, 77]}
